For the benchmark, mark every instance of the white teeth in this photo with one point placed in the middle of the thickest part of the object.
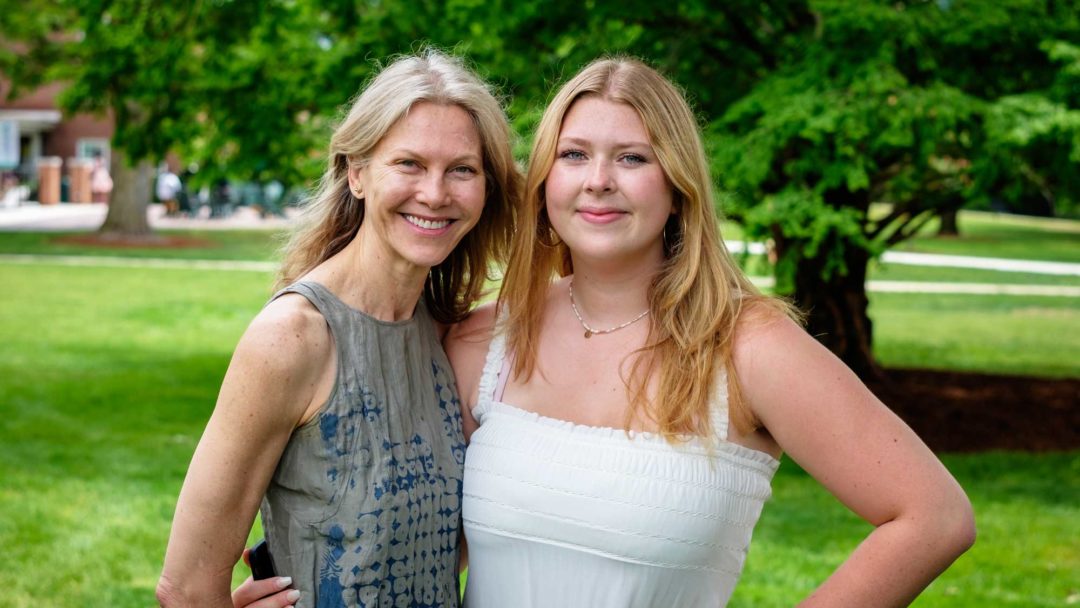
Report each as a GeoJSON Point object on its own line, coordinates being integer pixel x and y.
{"type": "Point", "coordinates": [427, 224]}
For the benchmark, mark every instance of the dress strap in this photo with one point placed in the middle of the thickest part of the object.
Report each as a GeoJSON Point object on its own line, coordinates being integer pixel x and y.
{"type": "Point", "coordinates": [320, 297]}
{"type": "Point", "coordinates": [718, 404]}
{"type": "Point", "coordinates": [496, 365]}
{"type": "Point", "coordinates": [504, 373]}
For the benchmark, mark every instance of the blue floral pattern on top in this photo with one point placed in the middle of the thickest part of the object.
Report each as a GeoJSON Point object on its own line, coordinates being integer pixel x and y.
{"type": "Point", "coordinates": [365, 507]}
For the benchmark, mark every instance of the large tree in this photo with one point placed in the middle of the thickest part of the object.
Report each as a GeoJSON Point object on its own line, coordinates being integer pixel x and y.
{"type": "Point", "coordinates": [124, 59]}
{"type": "Point", "coordinates": [893, 103]}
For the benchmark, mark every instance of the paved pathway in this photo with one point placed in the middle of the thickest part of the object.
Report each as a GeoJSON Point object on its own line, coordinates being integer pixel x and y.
{"type": "Point", "coordinates": [997, 289]}
{"type": "Point", "coordinates": [104, 261]}
{"type": "Point", "coordinates": [88, 216]}
{"type": "Point", "coordinates": [952, 261]}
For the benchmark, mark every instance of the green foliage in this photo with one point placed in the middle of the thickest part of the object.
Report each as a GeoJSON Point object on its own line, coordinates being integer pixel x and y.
{"type": "Point", "coordinates": [874, 107]}
{"type": "Point", "coordinates": [251, 89]}
{"type": "Point", "coordinates": [26, 64]}
{"type": "Point", "coordinates": [902, 103]}
{"type": "Point", "coordinates": [810, 228]}
{"type": "Point", "coordinates": [1035, 140]}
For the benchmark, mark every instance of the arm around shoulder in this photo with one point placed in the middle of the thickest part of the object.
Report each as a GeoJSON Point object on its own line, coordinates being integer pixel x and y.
{"type": "Point", "coordinates": [827, 420]}
{"type": "Point", "coordinates": [269, 388]}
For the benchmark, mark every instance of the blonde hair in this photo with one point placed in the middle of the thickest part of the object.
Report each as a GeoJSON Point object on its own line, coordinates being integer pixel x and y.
{"type": "Point", "coordinates": [700, 292]}
{"type": "Point", "coordinates": [332, 215]}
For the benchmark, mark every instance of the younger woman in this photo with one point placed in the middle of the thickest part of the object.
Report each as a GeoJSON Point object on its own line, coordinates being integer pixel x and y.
{"type": "Point", "coordinates": [631, 393]}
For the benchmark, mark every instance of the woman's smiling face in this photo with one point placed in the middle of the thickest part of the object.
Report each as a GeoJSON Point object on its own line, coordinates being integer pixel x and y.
{"type": "Point", "coordinates": [424, 185]}
{"type": "Point", "coordinates": [607, 196]}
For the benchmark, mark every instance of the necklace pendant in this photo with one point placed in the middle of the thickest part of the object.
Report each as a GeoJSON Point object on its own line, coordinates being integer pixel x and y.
{"type": "Point", "coordinates": [588, 334]}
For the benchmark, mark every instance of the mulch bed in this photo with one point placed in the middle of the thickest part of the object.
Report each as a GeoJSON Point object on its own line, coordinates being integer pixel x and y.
{"type": "Point", "coordinates": [126, 241]}
{"type": "Point", "coordinates": [967, 412]}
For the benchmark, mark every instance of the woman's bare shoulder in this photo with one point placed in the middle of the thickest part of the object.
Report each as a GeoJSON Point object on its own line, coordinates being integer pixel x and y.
{"type": "Point", "coordinates": [761, 323]}
{"type": "Point", "coordinates": [475, 328]}
{"type": "Point", "coordinates": [288, 334]}
{"type": "Point", "coordinates": [467, 345]}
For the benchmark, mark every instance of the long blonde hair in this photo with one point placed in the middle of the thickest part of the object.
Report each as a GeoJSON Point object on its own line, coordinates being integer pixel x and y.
{"type": "Point", "coordinates": [332, 216]}
{"type": "Point", "coordinates": [696, 298]}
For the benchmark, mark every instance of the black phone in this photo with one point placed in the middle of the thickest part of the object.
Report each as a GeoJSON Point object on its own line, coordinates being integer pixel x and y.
{"type": "Point", "coordinates": [262, 563]}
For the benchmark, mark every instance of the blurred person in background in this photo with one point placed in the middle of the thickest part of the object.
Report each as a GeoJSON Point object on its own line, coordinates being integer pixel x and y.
{"type": "Point", "coordinates": [167, 189]}
{"type": "Point", "coordinates": [101, 183]}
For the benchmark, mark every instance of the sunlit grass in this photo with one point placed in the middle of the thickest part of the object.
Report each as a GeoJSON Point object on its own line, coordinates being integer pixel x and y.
{"type": "Point", "coordinates": [939, 274]}
{"type": "Point", "coordinates": [106, 379]}
{"type": "Point", "coordinates": [999, 235]}
{"type": "Point", "coordinates": [108, 376]}
{"type": "Point", "coordinates": [1026, 512]}
{"type": "Point", "coordinates": [1036, 336]}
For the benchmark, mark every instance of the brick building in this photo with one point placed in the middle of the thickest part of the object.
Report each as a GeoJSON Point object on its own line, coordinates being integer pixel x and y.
{"type": "Point", "coordinates": [34, 132]}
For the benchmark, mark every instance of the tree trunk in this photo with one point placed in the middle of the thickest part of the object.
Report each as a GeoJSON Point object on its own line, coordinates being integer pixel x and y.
{"type": "Point", "coordinates": [130, 197]}
{"type": "Point", "coordinates": [836, 311]}
{"type": "Point", "coordinates": [949, 227]}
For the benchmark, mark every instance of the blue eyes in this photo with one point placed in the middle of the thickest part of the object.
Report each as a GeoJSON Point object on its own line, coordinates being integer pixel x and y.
{"type": "Point", "coordinates": [629, 158]}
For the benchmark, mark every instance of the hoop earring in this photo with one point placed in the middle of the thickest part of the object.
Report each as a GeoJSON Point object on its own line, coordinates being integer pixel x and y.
{"type": "Point", "coordinates": [671, 235]}
{"type": "Point", "coordinates": [552, 239]}
{"type": "Point", "coordinates": [545, 234]}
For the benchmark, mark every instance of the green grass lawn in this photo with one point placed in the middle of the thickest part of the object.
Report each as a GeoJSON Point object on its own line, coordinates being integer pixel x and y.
{"type": "Point", "coordinates": [1034, 336]}
{"type": "Point", "coordinates": [998, 235]}
{"type": "Point", "coordinates": [108, 375]}
{"type": "Point", "coordinates": [1025, 556]}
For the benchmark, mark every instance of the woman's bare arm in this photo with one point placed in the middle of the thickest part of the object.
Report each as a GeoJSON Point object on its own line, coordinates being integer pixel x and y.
{"type": "Point", "coordinates": [269, 389]}
{"type": "Point", "coordinates": [819, 412]}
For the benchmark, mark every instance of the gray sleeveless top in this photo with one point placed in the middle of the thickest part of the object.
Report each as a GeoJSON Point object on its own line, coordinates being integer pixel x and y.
{"type": "Point", "coordinates": [364, 508]}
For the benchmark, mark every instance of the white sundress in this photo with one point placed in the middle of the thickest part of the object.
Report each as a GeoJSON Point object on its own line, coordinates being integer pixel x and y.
{"type": "Point", "coordinates": [559, 514]}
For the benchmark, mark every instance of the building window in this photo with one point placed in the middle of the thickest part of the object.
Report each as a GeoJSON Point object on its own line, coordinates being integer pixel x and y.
{"type": "Point", "coordinates": [9, 144]}
{"type": "Point", "coordinates": [90, 147]}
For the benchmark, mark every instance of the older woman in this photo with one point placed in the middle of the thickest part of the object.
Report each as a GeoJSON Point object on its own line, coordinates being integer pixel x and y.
{"type": "Point", "coordinates": [339, 411]}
